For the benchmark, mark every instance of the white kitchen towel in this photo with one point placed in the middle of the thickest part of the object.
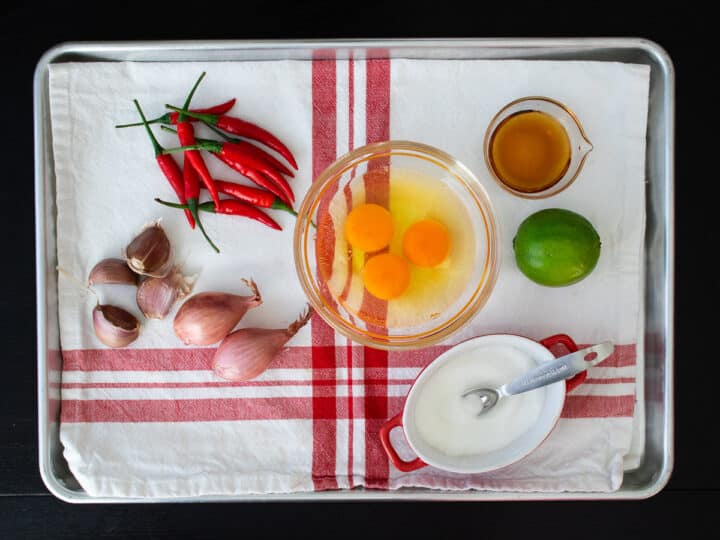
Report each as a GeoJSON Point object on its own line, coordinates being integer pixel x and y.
{"type": "Point", "coordinates": [153, 421]}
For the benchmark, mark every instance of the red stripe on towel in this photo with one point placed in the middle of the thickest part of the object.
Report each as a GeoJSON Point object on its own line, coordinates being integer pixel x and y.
{"type": "Point", "coordinates": [622, 356]}
{"type": "Point", "coordinates": [611, 380]}
{"type": "Point", "coordinates": [598, 406]}
{"type": "Point", "coordinates": [185, 359]}
{"type": "Point", "coordinates": [221, 384]}
{"type": "Point", "coordinates": [193, 359]}
{"type": "Point", "coordinates": [377, 188]}
{"type": "Point", "coordinates": [185, 410]}
{"type": "Point", "coordinates": [285, 408]}
{"type": "Point", "coordinates": [324, 134]}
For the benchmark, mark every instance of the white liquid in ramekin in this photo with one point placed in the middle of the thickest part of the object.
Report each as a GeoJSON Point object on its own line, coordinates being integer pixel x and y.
{"type": "Point", "coordinates": [449, 423]}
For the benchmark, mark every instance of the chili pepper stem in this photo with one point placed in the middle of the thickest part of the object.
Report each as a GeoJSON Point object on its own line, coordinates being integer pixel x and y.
{"type": "Point", "coordinates": [171, 204]}
{"type": "Point", "coordinates": [167, 118]}
{"type": "Point", "coordinates": [156, 145]}
{"type": "Point", "coordinates": [210, 146]}
{"type": "Point", "coordinates": [164, 119]}
{"type": "Point", "coordinates": [281, 205]}
{"type": "Point", "coordinates": [219, 132]}
{"type": "Point", "coordinates": [206, 144]}
{"type": "Point", "coordinates": [190, 96]}
{"type": "Point", "coordinates": [192, 206]}
{"type": "Point", "coordinates": [209, 118]}
{"type": "Point", "coordinates": [205, 207]}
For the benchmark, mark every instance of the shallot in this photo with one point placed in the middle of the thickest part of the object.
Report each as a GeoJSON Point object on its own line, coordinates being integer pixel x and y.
{"type": "Point", "coordinates": [207, 317]}
{"type": "Point", "coordinates": [246, 353]}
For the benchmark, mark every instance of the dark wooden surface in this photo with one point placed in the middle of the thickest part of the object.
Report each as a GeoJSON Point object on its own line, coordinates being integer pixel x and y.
{"type": "Point", "coordinates": [26, 508]}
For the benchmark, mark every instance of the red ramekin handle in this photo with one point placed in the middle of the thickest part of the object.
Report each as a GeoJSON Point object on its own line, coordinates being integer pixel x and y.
{"type": "Point", "coordinates": [400, 464]}
{"type": "Point", "coordinates": [569, 344]}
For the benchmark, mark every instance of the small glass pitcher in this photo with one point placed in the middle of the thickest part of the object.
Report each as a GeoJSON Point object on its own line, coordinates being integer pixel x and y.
{"type": "Point", "coordinates": [580, 145]}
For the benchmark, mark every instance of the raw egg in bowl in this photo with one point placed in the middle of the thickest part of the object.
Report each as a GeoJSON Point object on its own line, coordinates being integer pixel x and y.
{"type": "Point", "coordinates": [396, 245]}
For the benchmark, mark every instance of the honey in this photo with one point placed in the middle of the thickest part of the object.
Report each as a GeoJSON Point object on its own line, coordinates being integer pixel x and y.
{"type": "Point", "coordinates": [530, 151]}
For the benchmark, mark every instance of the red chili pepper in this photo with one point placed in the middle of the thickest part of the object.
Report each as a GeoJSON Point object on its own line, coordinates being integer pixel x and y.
{"type": "Point", "coordinates": [191, 182]}
{"type": "Point", "coordinates": [172, 117]}
{"type": "Point", "coordinates": [241, 161]}
{"type": "Point", "coordinates": [243, 128]}
{"type": "Point", "coordinates": [232, 207]}
{"type": "Point", "coordinates": [238, 208]}
{"type": "Point", "coordinates": [167, 164]}
{"type": "Point", "coordinates": [242, 154]}
{"type": "Point", "coordinates": [170, 168]}
{"type": "Point", "coordinates": [257, 177]}
{"type": "Point", "coordinates": [249, 130]}
{"type": "Point", "coordinates": [186, 134]}
{"type": "Point", "coordinates": [221, 108]}
{"type": "Point", "coordinates": [245, 165]}
{"type": "Point", "coordinates": [251, 195]}
{"type": "Point", "coordinates": [255, 151]}
{"type": "Point", "coordinates": [257, 197]}
{"type": "Point", "coordinates": [192, 194]}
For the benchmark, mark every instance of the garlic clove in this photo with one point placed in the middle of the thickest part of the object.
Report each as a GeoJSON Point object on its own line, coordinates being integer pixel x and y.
{"type": "Point", "coordinates": [114, 326]}
{"type": "Point", "coordinates": [156, 296]}
{"type": "Point", "coordinates": [150, 252]}
{"type": "Point", "coordinates": [112, 271]}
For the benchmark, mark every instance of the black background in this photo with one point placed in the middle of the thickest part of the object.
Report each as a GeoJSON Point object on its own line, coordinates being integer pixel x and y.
{"type": "Point", "coordinates": [685, 505]}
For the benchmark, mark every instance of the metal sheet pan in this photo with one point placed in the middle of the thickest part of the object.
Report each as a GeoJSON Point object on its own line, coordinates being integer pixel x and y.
{"type": "Point", "coordinates": [657, 463]}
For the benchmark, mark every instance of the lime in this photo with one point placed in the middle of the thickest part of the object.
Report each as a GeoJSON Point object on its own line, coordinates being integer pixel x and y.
{"type": "Point", "coordinates": [556, 247]}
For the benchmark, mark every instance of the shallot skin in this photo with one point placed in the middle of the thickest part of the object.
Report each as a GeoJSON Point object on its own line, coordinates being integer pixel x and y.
{"type": "Point", "coordinates": [248, 352]}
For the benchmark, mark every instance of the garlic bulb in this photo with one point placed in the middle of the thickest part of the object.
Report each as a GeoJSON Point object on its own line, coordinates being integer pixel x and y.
{"type": "Point", "coordinates": [112, 271]}
{"type": "Point", "coordinates": [150, 252]}
{"type": "Point", "coordinates": [114, 326]}
{"type": "Point", "coordinates": [207, 317]}
{"type": "Point", "coordinates": [156, 296]}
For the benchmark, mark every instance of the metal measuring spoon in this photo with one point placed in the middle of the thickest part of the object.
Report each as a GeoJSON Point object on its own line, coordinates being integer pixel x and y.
{"type": "Point", "coordinates": [544, 374]}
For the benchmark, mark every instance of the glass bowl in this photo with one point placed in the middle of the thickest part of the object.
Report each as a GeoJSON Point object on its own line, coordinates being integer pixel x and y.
{"type": "Point", "coordinates": [408, 178]}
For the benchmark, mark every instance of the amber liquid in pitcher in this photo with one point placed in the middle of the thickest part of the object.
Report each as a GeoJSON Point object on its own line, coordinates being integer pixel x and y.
{"type": "Point", "coordinates": [530, 151]}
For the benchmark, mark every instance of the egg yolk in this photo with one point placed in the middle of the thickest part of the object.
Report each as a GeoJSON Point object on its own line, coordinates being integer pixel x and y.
{"type": "Point", "coordinates": [426, 243]}
{"type": "Point", "coordinates": [369, 227]}
{"type": "Point", "coordinates": [386, 276]}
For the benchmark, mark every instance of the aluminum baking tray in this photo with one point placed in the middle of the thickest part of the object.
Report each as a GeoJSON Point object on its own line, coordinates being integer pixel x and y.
{"type": "Point", "coordinates": [656, 466]}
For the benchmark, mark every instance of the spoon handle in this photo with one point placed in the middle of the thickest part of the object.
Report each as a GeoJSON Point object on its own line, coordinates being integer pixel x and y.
{"type": "Point", "coordinates": [559, 369]}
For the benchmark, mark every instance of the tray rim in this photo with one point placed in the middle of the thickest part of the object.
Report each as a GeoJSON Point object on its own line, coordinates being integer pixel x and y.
{"type": "Point", "coordinates": [41, 140]}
